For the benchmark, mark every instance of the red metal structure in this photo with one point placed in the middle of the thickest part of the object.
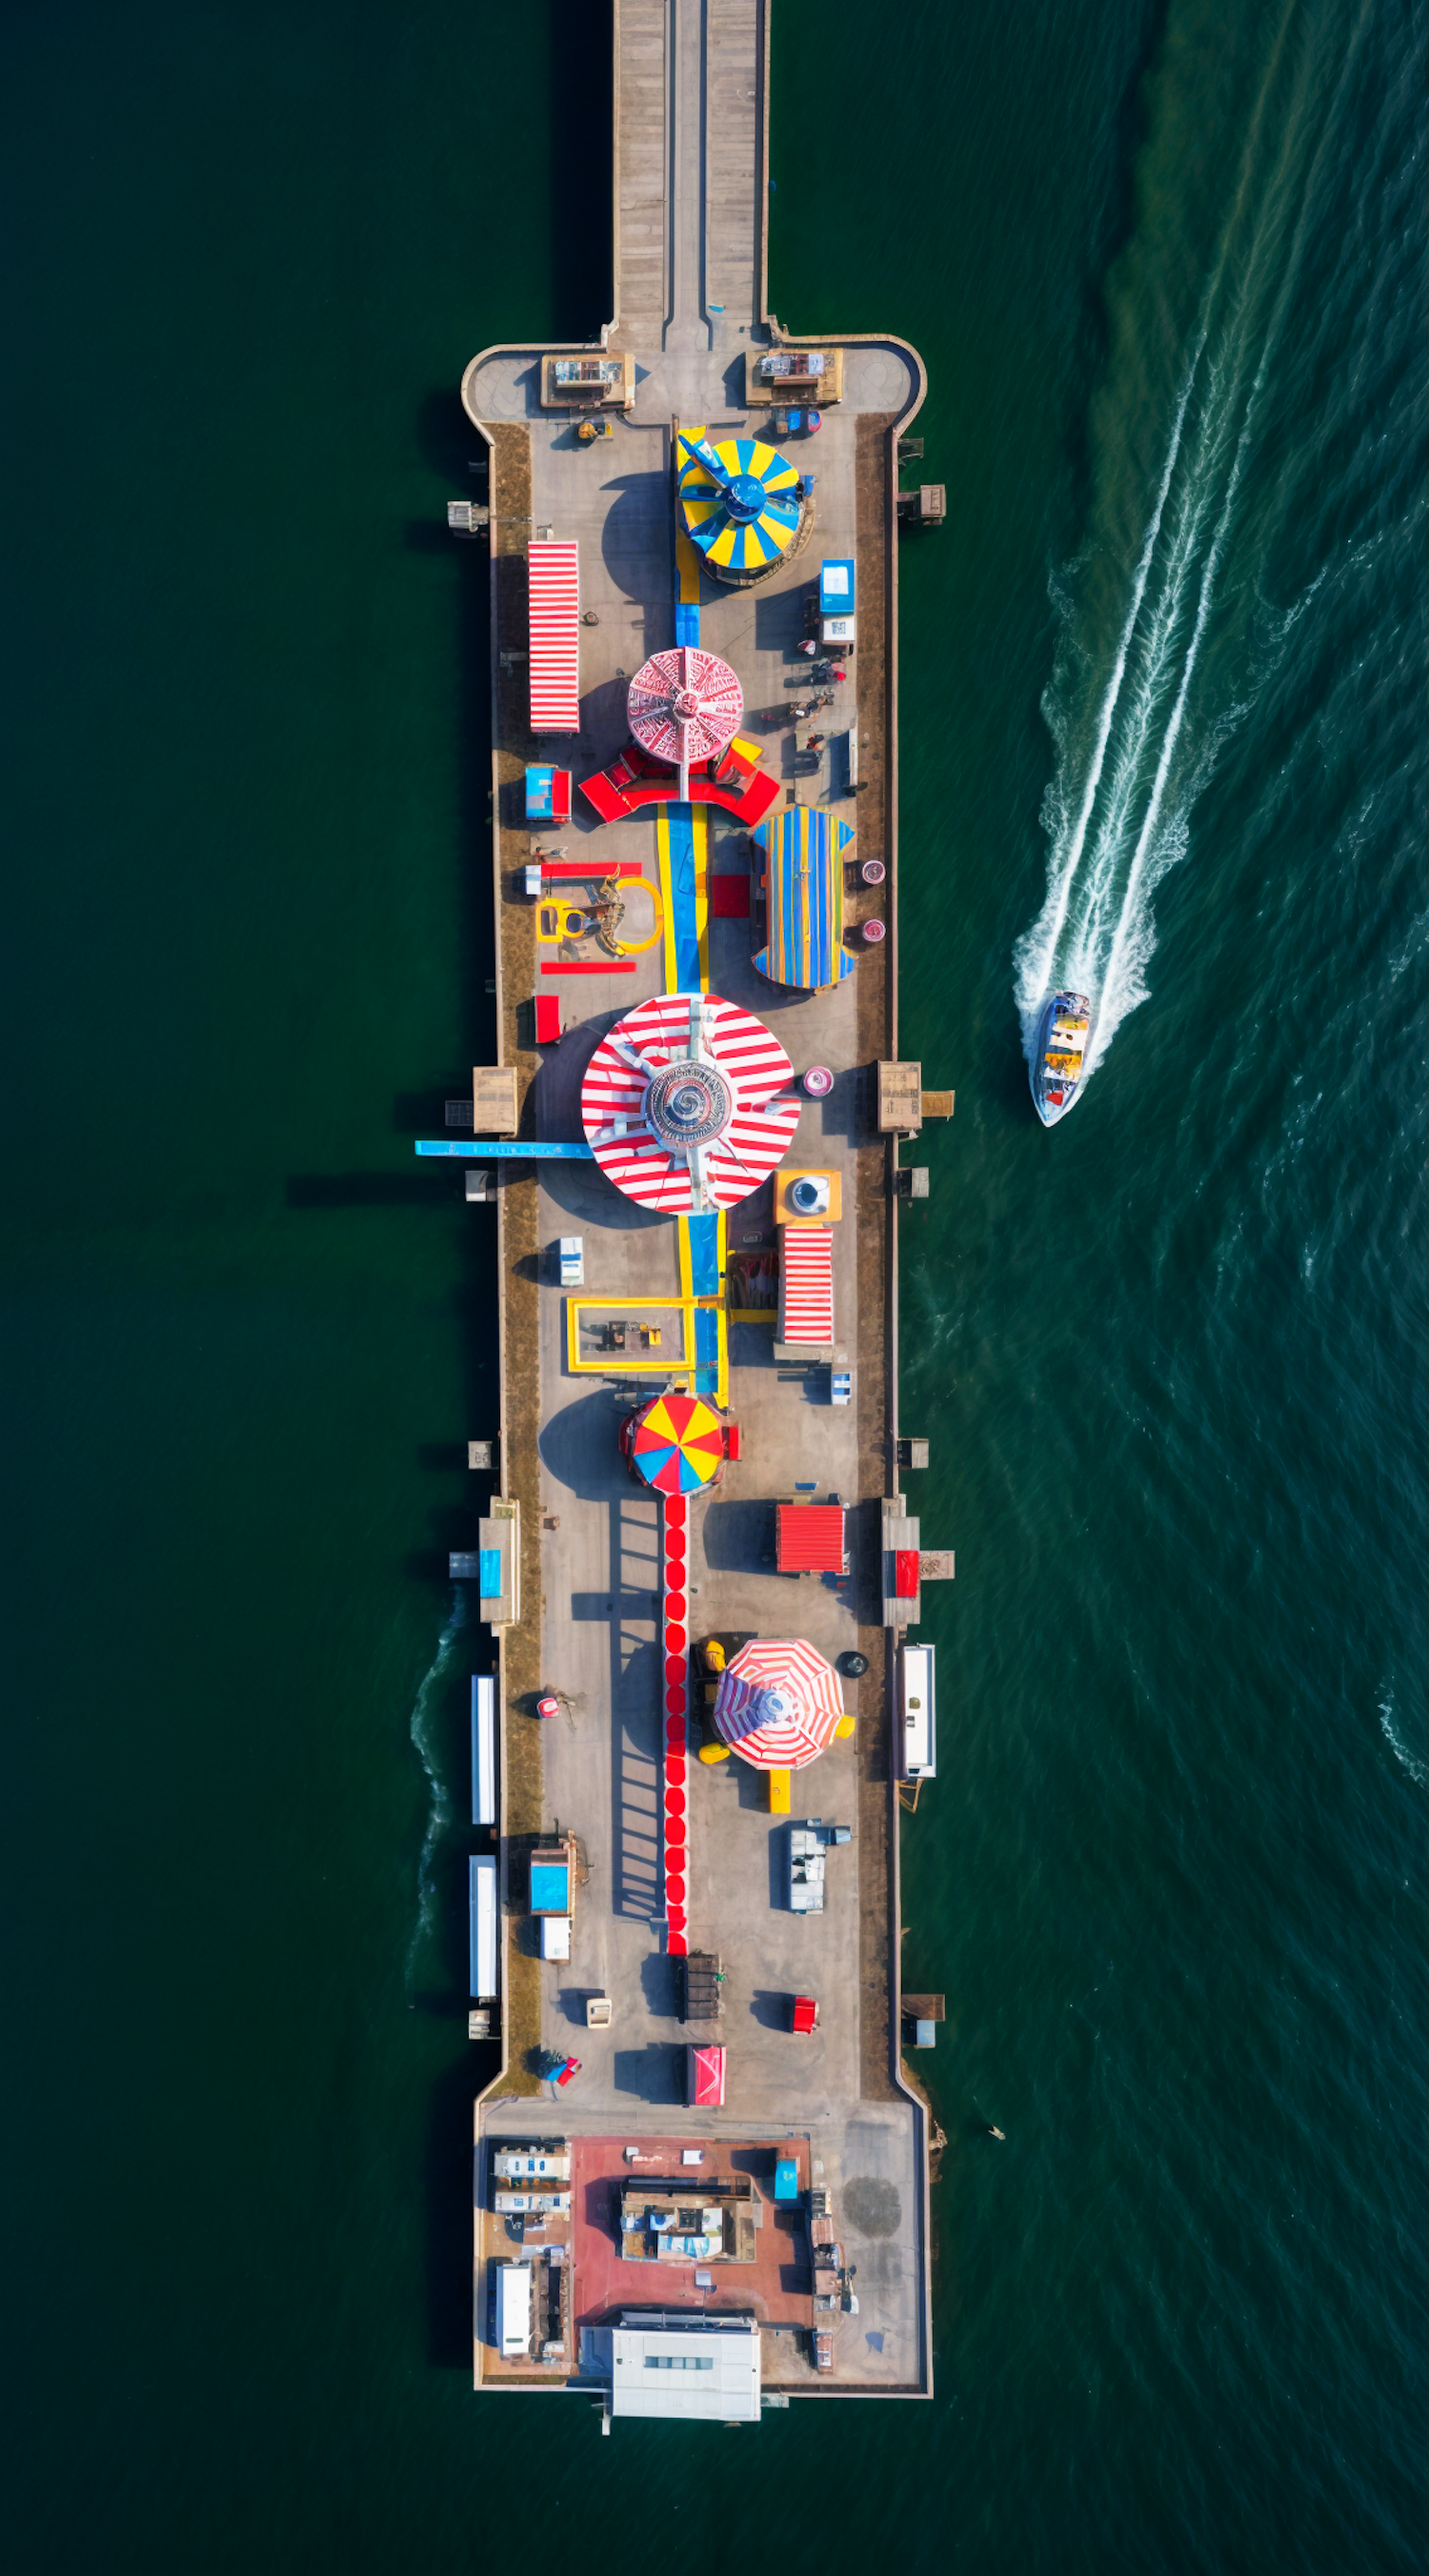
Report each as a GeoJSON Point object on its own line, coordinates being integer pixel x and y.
{"type": "Point", "coordinates": [733, 781]}
{"type": "Point", "coordinates": [810, 1538]}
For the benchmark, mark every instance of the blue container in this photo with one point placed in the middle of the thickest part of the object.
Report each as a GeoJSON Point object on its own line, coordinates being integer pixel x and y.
{"type": "Point", "coordinates": [837, 597]}
{"type": "Point", "coordinates": [786, 2179]}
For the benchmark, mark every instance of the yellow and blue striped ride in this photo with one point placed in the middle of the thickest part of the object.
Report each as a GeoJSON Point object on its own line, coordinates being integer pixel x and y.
{"type": "Point", "coordinates": [803, 850]}
{"type": "Point", "coordinates": [740, 501]}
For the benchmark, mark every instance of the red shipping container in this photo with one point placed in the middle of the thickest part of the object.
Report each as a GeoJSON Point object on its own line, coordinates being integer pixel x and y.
{"type": "Point", "coordinates": [905, 1574]}
{"type": "Point", "coordinates": [548, 1018]}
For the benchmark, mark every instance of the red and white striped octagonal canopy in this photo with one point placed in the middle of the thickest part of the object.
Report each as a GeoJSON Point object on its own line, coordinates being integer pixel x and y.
{"type": "Point", "coordinates": [778, 1704]}
{"type": "Point", "coordinates": [684, 705]}
{"type": "Point", "coordinates": [685, 1104]}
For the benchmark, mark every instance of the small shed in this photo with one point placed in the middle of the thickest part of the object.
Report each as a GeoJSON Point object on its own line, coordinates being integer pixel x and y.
{"type": "Point", "coordinates": [548, 794]}
{"type": "Point", "coordinates": [552, 1879]}
{"type": "Point", "coordinates": [809, 1538]}
{"type": "Point", "coordinates": [704, 2078]}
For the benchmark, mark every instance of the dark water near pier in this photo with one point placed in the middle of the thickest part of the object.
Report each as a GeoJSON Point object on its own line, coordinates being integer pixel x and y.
{"type": "Point", "coordinates": [1162, 718]}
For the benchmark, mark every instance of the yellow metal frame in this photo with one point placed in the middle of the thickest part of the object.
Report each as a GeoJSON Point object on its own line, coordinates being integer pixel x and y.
{"type": "Point", "coordinates": [687, 1295]}
{"type": "Point", "coordinates": [659, 1363]}
{"type": "Point", "coordinates": [687, 569]}
{"type": "Point", "coordinates": [562, 904]}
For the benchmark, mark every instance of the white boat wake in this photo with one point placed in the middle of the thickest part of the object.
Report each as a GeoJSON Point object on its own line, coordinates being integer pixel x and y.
{"type": "Point", "coordinates": [439, 1812]}
{"type": "Point", "coordinates": [1129, 767]}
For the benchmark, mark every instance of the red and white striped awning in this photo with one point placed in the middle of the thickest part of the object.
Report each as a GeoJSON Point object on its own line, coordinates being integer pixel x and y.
{"type": "Point", "coordinates": [554, 612]}
{"type": "Point", "coordinates": [778, 1704]}
{"type": "Point", "coordinates": [685, 1104]}
{"type": "Point", "coordinates": [806, 1284]}
{"type": "Point", "coordinates": [705, 2078]}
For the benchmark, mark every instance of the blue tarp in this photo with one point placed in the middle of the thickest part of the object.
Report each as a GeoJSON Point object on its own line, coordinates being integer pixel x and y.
{"type": "Point", "coordinates": [680, 824]}
{"type": "Point", "coordinates": [515, 1149]}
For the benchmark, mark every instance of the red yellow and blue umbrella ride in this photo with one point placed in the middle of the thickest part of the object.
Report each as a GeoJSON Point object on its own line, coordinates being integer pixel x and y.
{"type": "Point", "coordinates": [675, 1443]}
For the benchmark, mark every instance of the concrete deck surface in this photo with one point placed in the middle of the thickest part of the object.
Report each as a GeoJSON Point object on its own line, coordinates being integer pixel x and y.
{"type": "Point", "coordinates": [600, 1565]}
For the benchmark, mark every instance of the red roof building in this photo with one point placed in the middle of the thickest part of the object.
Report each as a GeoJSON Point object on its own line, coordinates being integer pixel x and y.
{"type": "Point", "coordinates": [810, 1539]}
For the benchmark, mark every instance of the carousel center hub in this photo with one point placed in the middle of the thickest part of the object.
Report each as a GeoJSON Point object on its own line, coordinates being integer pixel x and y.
{"type": "Point", "coordinates": [745, 496]}
{"type": "Point", "coordinates": [689, 1104]}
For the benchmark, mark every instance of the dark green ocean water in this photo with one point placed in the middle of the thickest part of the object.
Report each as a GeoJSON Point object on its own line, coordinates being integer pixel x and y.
{"type": "Point", "coordinates": [1163, 719]}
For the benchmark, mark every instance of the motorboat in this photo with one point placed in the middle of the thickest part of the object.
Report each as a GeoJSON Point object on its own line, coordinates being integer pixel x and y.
{"type": "Point", "coordinates": [1064, 1037]}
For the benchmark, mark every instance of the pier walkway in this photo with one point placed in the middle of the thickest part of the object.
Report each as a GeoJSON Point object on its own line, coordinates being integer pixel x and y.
{"type": "Point", "coordinates": [690, 191]}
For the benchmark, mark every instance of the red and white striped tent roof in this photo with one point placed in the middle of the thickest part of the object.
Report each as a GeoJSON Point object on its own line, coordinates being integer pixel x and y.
{"type": "Point", "coordinates": [554, 634]}
{"type": "Point", "coordinates": [704, 2078]}
{"type": "Point", "coordinates": [806, 1284]}
{"type": "Point", "coordinates": [778, 1704]}
{"type": "Point", "coordinates": [685, 1104]}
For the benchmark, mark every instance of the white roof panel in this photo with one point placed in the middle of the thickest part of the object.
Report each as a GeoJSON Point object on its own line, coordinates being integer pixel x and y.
{"type": "Point", "coordinates": [704, 2374]}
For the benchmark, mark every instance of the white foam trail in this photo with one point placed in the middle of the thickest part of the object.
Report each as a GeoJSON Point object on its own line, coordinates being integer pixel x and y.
{"type": "Point", "coordinates": [439, 1812]}
{"type": "Point", "coordinates": [1115, 1001]}
{"type": "Point", "coordinates": [1048, 928]}
{"type": "Point", "coordinates": [1418, 1771]}
{"type": "Point", "coordinates": [1114, 839]}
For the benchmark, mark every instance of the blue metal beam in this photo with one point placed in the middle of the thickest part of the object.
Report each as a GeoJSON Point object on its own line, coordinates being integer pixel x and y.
{"type": "Point", "coordinates": [515, 1149]}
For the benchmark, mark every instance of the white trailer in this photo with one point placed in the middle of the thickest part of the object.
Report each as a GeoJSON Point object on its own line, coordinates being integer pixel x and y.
{"type": "Point", "coordinates": [918, 1709]}
{"type": "Point", "coordinates": [483, 1749]}
{"type": "Point", "coordinates": [485, 1932]}
{"type": "Point", "coordinates": [513, 2310]}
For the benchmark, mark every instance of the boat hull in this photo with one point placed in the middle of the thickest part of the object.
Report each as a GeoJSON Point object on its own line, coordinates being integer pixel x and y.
{"type": "Point", "coordinates": [1064, 1039]}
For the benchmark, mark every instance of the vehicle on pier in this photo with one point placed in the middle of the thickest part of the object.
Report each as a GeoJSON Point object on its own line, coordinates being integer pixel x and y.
{"type": "Point", "coordinates": [1064, 1036]}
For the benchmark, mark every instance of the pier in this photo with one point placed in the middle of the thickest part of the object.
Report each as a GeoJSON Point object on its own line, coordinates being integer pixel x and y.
{"type": "Point", "coordinates": [611, 1589]}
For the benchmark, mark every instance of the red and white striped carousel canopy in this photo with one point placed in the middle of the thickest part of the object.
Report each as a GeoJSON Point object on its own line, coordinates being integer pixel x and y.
{"type": "Point", "coordinates": [685, 1104]}
{"type": "Point", "coordinates": [684, 705]}
{"type": "Point", "coordinates": [778, 1704]}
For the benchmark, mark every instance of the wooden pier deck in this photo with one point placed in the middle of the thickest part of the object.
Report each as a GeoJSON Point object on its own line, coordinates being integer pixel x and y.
{"type": "Point", "coordinates": [690, 197]}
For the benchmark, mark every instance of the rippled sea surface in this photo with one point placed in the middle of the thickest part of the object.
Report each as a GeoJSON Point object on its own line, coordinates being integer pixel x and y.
{"type": "Point", "coordinates": [1163, 728]}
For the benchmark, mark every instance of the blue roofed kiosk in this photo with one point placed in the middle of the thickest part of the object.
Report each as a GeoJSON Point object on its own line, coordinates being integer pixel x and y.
{"type": "Point", "coordinates": [803, 880]}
